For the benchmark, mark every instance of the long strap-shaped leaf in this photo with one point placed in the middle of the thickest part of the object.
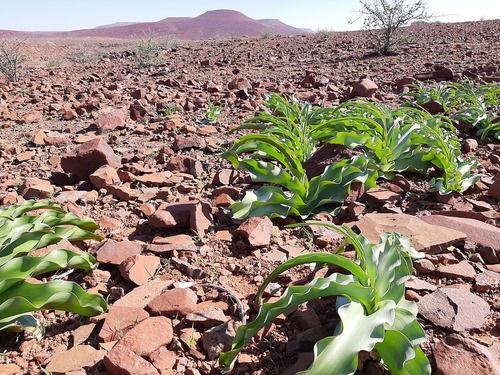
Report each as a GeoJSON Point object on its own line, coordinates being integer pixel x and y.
{"type": "Point", "coordinates": [335, 285]}
{"type": "Point", "coordinates": [54, 295]}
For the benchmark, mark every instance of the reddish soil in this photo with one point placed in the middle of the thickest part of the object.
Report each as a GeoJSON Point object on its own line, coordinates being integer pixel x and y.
{"type": "Point", "coordinates": [311, 67]}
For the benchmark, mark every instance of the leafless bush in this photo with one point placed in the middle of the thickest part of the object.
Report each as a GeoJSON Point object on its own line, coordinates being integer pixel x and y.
{"type": "Point", "coordinates": [11, 59]}
{"type": "Point", "coordinates": [384, 19]}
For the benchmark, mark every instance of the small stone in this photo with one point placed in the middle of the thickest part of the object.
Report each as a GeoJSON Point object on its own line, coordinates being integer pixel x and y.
{"type": "Point", "coordinates": [139, 268]}
{"type": "Point", "coordinates": [256, 230]}
{"type": "Point", "coordinates": [219, 338]}
{"type": "Point", "coordinates": [462, 269]}
{"type": "Point", "coordinates": [173, 303]}
{"type": "Point", "coordinates": [364, 88]}
{"type": "Point", "coordinates": [74, 359]}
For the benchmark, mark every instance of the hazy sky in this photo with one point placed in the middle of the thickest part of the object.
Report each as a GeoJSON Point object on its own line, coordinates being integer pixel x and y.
{"type": "Point", "coordinates": [62, 15]}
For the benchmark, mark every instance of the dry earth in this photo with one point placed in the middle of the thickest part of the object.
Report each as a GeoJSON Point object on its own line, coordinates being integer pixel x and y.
{"type": "Point", "coordinates": [162, 200]}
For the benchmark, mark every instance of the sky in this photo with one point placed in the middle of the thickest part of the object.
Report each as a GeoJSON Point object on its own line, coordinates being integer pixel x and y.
{"type": "Point", "coordinates": [64, 15]}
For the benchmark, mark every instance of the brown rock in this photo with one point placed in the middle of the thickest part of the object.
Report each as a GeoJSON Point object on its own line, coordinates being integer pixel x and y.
{"type": "Point", "coordinates": [111, 118]}
{"type": "Point", "coordinates": [208, 317]}
{"type": "Point", "coordinates": [364, 88]}
{"type": "Point", "coordinates": [173, 303]}
{"type": "Point", "coordinates": [224, 177]}
{"type": "Point", "coordinates": [193, 141]}
{"type": "Point", "coordinates": [239, 83]}
{"type": "Point", "coordinates": [115, 252]}
{"type": "Point", "coordinates": [256, 230]}
{"type": "Point", "coordinates": [119, 320]}
{"type": "Point", "coordinates": [476, 231]}
{"type": "Point", "coordinates": [36, 188]}
{"type": "Point", "coordinates": [156, 179]}
{"type": "Point", "coordinates": [325, 156]}
{"type": "Point", "coordinates": [494, 189]}
{"type": "Point", "coordinates": [123, 192]}
{"type": "Point", "coordinates": [462, 269]}
{"type": "Point", "coordinates": [163, 359]}
{"type": "Point", "coordinates": [201, 218]}
{"type": "Point", "coordinates": [149, 335]}
{"type": "Point", "coordinates": [459, 355]}
{"type": "Point", "coordinates": [9, 369]}
{"type": "Point", "coordinates": [123, 361]}
{"type": "Point", "coordinates": [184, 164]}
{"type": "Point", "coordinates": [104, 176]}
{"type": "Point", "coordinates": [217, 339]}
{"type": "Point", "coordinates": [77, 358]}
{"type": "Point", "coordinates": [454, 309]}
{"type": "Point", "coordinates": [426, 237]}
{"type": "Point", "coordinates": [143, 294]}
{"type": "Point", "coordinates": [139, 268]}
{"type": "Point", "coordinates": [169, 215]}
{"type": "Point", "coordinates": [486, 280]}
{"type": "Point", "coordinates": [88, 157]}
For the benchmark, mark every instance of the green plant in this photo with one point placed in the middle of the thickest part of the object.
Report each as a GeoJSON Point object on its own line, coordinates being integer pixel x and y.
{"type": "Point", "coordinates": [148, 53]}
{"type": "Point", "coordinates": [384, 19]}
{"type": "Point", "coordinates": [82, 55]}
{"type": "Point", "coordinates": [276, 156]}
{"type": "Point", "coordinates": [171, 109]}
{"type": "Point", "coordinates": [11, 59]}
{"type": "Point", "coordinates": [213, 113]}
{"type": "Point", "coordinates": [325, 33]}
{"type": "Point", "coordinates": [442, 93]}
{"type": "Point", "coordinates": [21, 233]}
{"type": "Point", "coordinates": [374, 314]}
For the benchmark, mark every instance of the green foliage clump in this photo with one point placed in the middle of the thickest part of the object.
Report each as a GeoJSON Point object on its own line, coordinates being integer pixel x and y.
{"type": "Point", "coordinates": [374, 314]}
{"type": "Point", "coordinates": [22, 233]}
{"type": "Point", "coordinates": [148, 53]}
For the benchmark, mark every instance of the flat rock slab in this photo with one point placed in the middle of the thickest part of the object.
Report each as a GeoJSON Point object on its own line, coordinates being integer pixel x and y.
{"type": "Point", "coordinates": [142, 295]}
{"type": "Point", "coordinates": [425, 237]}
{"type": "Point", "coordinates": [460, 355]}
{"type": "Point", "coordinates": [481, 233]}
{"type": "Point", "coordinates": [76, 358]}
{"type": "Point", "coordinates": [454, 309]}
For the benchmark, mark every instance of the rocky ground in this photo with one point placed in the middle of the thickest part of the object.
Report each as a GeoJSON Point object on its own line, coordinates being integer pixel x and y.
{"type": "Point", "coordinates": [129, 148]}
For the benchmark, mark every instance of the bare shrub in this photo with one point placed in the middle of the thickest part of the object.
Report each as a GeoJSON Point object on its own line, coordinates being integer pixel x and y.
{"type": "Point", "coordinates": [384, 19]}
{"type": "Point", "coordinates": [148, 52]}
{"type": "Point", "coordinates": [11, 59]}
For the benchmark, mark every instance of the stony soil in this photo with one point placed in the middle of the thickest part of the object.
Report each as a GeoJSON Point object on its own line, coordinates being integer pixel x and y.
{"type": "Point", "coordinates": [150, 122]}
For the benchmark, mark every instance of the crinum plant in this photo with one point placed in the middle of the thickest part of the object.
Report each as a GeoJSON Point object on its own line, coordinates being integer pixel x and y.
{"type": "Point", "coordinates": [22, 233]}
{"type": "Point", "coordinates": [276, 156]}
{"type": "Point", "coordinates": [374, 314]}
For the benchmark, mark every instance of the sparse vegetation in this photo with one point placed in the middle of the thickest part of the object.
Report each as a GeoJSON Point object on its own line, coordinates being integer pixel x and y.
{"type": "Point", "coordinates": [148, 53]}
{"type": "Point", "coordinates": [82, 56]}
{"type": "Point", "coordinates": [325, 33]}
{"type": "Point", "coordinates": [22, 233]}
{"type": "Point", "coordinates": [384, 19]}
{"type": "Point", "coordinates": [11, 59]}
{"type": "Point", "coordinates": [375, 316]}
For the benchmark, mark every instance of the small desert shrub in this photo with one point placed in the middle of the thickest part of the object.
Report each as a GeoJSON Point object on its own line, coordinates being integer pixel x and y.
{"type": "Point", "coordinates": [82, 56]}
{"type": "Point", "coordinates": [11, 59]}
{"type": "Point", "coordinates": [325, 33]}
{"type": "Point", "coordinates": [148, 53]}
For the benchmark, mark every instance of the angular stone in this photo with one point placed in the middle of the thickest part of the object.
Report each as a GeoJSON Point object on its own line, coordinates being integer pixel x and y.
{"type": "Point", "coordinates": [88, 157]}
{"type": "Point", "coordinates": [9, 369]}
{"type": "Point", "coordinates": [122, 361]}
{"type": "Point", "coordinates": [426, 237]}
{"type": "Point", "coordinates": [219, 338]}
{"type": "Point", "coordinates": [239, 83]}
{"type": "Point", "coordinates": [224, 177]}
{"type": "Point", "coordinates": [476, 231]}
{"type": "Point", "coordinates": [115, 252]}
{"type": "Point", "coordinates": [139, 268]}
{"type": "Point", "coordinates": [187, 268]}
{"type": "Point", "coordinates": [208, 317]}
{"type": "Point", "coordinates": [149, 335]}
{"type": "Point", "coordinates": [163, 359]}
{"type": "Point", "coordinates": [36, 188]}
{"type": "Point", "coordinates": [459, 355]}
{"type": "Point", "coordinates": [193, 141]}
{"type": "Point", "coordinates": [156, 179]}
{"type": "Point", "coordinates": [77, 358]}
{"type": "Point", "coordinates": [494, 189]}
{"type": "Point", "coordinates": [82, 333]}
{"type": "Point", "coordinates": [454, 309]}
{"type": "Point", "coordinates": [111, 118]}
{"type": "Point", "coordinates": [169, 215]}
{"type": "Point", "coordinates": [256, 230]}
{"type": "Point", "coordinates": [173, 303]}
{"type": "Point", "coordinates": [201, 218]}
{"type": "Point", "coordinates": [119, 320]}
{"type": "Point", "coordinates": [123, 192]}
{"type": "Point", "coordinates": [104, 176]}
{"type": "Point", "coordinates": [462, 269]}
{"type": "Point", "coordinates": [364, 88]}
{"type": "Point", "coordinates": [142, 295]}
{"type": "Point", "coordinates": [486, 280]}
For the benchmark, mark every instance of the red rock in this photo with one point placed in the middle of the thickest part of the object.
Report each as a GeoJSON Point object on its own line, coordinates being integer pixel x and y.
{"type": "Point", "coordinates": [462, 269]}
{"type": "Point", "coordinates": [193, 141]}
{"type": "Point", "coordinates": [77, 358]}
{"type": "Point", "coordinates": [123, 192]}
{"type": "Point", "coordinates": [10, 369]}
{"type": "Point", "coordinates": [443, 74]}
{"type": "Point", "coordinates": [470, 145]}
{"type": "Point", "coordinates": [111, 118]}
{"type": "Point", "coordinates": [163, 359]}
{"type": "Point", "coordinates": [459, 355]}
{"type": "Point", "coordinates": [376, 197]}
{"type": "Point", "coordinates": [223, 200]}
{"type": "Point", "coordinates": [38, 138]}
{"type": "Point", "coordinates": [173, 303]}
{"type": "Point", "coordinates": [208, 317]}
{"type": "Point", "coordinates": [148, 336]}
{"type": "Point", "coordinates": [138, 112]}
{"type": "Point", "coordinates": [156, 179]}
{"type": "Point", "coordinates": [478, 232]}
{"type": "Point", "coordinates": [494, 189]}
{"type": "Point", "coordinates": [454, 309]}
{"type": "Point", "coordinates": [169, 215]}
{"type": "Point", "coordinates": [123, 361]}
{"type": "Point", "coordinates": [486, 280]}
{"type": "Point", "coordinates": [143, 294]}
{"type": "Point", "coordinates": [88, 157]}
{"type": "Point", "coordinates": [184, 164]}
{"type": "Point", "coordinates": [256, 230]}
{"type": "Point", "coordinates": [36, 188]}
{"type": "Point", "coordinates": [119, 320]}
{"type": "Point", "coordinates": [430, 238]}
{"type": "Point", "coordinates": [219, 338]}
{"type": "Point", "coordinates": [224, 177]}
{"type": "Point", "coordinates": [201, 218]}
{"type": "Point", "coordinates": [69, 114]}
{"type": "Point", "coordinates": [30, 118]}
{"type": "Point", "coordinates": [239, 83]}
{"type": "Point", "coordinates": [104, 176]}
{"type": "Point", "coordinates": [24, 156]}
{"type": "Point", "coordinates": [364, 88]}
{"type": "Point", "coordinates": [424, 266]}
{"type": "Point", "coordinates": [115, 252]}
{"type": "Point", "coordinates": [139, 268]}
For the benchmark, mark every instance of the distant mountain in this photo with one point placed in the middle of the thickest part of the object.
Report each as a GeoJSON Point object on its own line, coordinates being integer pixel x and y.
{"type": "Point", "coordinates": [212, 24]}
